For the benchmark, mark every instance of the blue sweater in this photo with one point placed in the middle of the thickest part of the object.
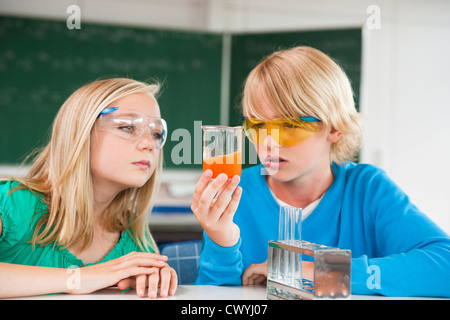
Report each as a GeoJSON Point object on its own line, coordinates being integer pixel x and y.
{"type": "Point", "coordinates": [396, 249]}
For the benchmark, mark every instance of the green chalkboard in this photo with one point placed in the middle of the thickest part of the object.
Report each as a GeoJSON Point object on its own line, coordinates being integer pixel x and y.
{"type": "Point", "coordinates": [343, 45]}
{"type": "Point", "coordinates": [42, 62]}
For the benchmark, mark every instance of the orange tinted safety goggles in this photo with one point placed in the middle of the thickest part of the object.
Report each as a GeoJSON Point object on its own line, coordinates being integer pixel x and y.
{"type": "Point", "coordinates": [286, 132]}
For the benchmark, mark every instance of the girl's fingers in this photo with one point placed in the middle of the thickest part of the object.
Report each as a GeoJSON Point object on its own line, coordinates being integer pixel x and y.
{"type": "Point", "coordinates": [141, 284]}
{"type": "Point", "coordinates": [165, 278]}
{"type": "Point", "coordinates": [165, 274]}
{"type": "Point", "coordinates": [141, 259]}
{"type": "Point", "coordinates": [153, 280]}
{"type": "Point", "coordinates": [142, 266]}
{"type": "Point", "coordinates": [168, 282]}
{"type": "Point", "coordinates": [146, 262]}
{"type": "Point", "coordinates": [126, 283]}
{"type": "Point", "coordinates": [135, 271]}
{"type": "Point", "coordinates": [142, 255]}
{"type": "Point", "coordinates": [173, 282]}
{"type": "Point", "coordinates": [138, 271]}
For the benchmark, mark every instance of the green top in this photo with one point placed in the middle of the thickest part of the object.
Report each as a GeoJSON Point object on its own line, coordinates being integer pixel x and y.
{"type": "Point", "coordinates": [19, 212]}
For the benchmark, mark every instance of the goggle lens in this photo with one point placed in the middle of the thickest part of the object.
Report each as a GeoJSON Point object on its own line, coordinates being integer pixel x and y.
{"type": "Point", "coordinates": [286, 132]}
{"type": "Point", "coordinates": [132, 126]}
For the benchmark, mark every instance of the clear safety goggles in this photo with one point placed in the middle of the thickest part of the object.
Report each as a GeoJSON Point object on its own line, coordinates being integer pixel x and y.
{"type": "Point", "coordinates": [132, 125]}
{"type": "Point", "coordinates": [286, 132]}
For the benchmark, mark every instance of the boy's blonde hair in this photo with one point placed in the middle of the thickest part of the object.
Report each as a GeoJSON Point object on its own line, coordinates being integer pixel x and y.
{"type": "Point", "coordinates": [62, 173]}
{"type": "Point", "coordinates": [303, 81]}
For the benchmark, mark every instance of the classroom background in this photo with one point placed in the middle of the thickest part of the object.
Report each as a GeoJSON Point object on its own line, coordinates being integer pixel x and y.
{"type": "Point", "coordinates": [396, 53]}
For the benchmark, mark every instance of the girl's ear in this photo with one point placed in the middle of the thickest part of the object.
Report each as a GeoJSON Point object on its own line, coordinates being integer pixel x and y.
{"type": "Point", "coordinates": [334, 135]}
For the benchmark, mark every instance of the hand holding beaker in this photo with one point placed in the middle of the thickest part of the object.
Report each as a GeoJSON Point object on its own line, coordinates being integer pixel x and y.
{"type": "Point", "coordinates": [222, 150]}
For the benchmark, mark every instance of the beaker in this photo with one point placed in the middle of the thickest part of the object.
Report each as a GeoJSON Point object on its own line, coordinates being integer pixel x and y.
{"type": "Point", "coordinates": [222, 150]}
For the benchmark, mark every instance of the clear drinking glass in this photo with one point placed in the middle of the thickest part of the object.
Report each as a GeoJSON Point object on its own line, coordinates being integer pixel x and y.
{"type": "Point", "coordinates": [222, 150]}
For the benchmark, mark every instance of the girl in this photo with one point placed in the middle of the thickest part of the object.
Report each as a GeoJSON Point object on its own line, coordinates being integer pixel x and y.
{"type": "Point", "coordinates": [300, 115]}
{"type": "Point", "coordinates": [78, 222]}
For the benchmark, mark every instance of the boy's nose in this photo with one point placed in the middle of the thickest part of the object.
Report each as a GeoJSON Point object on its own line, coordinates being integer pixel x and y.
{"type": "Point", "coordinates": [272, 138]}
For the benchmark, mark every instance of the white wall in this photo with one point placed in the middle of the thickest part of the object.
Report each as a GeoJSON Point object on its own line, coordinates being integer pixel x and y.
{"type": "Point", "coordinates": [405, 83]}
{"type": "Point", "coordinates": [405, 69]}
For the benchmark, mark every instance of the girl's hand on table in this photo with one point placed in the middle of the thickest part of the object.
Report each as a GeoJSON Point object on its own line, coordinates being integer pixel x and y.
{"type": "Point", "coordinates": [165, 278]}
{"type": "Point", "coordinates": [214, 205]}
{"type": "Point", "coordinates": [134, 264]}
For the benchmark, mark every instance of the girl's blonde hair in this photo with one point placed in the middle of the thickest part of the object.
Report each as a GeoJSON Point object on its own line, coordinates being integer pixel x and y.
{"type": "Point", "coordinates": [62, 173]}
{"type": "Point", "coordinates": [303, 81]}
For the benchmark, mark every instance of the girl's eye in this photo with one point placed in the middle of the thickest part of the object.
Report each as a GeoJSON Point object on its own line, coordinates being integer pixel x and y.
{"type": "Point", "coordinates": [156, 135]}
{"type": "Point", "coordinates": [128, 129]}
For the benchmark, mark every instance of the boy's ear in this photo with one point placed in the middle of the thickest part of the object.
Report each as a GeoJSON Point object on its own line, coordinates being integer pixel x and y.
{"type": "Point", "coordinates": [334, 135]}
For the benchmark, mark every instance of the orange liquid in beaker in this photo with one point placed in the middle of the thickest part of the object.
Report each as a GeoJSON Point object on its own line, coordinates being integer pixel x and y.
{"type": "Point", "coordinates": [230, 164]}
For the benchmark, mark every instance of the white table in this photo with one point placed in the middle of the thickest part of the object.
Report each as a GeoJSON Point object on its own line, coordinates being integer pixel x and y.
{"type": "Point", "coordinates": [192, 292]}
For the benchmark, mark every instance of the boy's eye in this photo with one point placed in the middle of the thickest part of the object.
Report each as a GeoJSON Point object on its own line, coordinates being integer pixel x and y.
{"type": "Point", "coordinates": [258, 125]}
{"type": "Point", "coordinates": [289, 125]}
